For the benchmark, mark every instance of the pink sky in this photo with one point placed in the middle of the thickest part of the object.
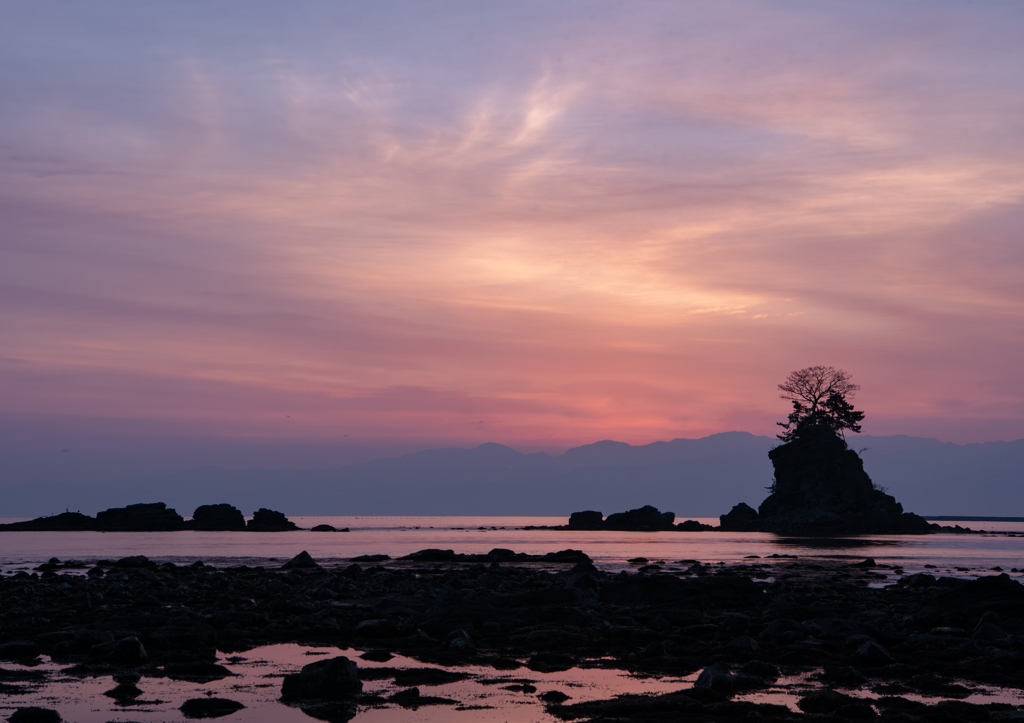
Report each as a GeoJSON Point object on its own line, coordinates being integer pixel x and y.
{"type": "Point", "coordinates": [533, 223]}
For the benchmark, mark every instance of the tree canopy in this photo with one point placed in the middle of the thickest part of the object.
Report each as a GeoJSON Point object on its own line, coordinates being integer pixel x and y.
{"type": "Point", "coordinates": [820, 397]}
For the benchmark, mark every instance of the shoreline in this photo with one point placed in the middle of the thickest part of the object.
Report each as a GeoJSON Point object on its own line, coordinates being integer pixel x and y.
{"type": "Point", "coordinates": [846, 622]}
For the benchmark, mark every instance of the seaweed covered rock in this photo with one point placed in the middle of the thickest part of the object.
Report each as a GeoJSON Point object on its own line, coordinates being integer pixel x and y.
{"type": "Point", "coordinates": [821, 488]}
{"type": "Point", "coordinates": [151, 517]}
{"type": "Point", "coordinates": [264, 520]}
{"type": "Point", "coordinates": [220, 517]}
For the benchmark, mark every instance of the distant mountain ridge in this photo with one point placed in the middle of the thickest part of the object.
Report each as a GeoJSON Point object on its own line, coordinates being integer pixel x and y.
{"type": "Point", "coordinates": [692, 477]}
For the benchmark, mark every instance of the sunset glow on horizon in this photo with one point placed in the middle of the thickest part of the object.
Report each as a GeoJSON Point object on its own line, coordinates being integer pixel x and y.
{"type": "Point", "coordinates": [529, 223]}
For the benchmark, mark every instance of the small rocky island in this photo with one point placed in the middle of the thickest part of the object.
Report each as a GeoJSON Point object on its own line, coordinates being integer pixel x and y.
{"type": "Point", "coordinates": [158, 517]}
{"type": "Point", "coordinates": [820, 485]}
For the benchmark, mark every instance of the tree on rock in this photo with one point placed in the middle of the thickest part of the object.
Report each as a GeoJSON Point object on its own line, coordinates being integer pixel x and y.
{"type": "Point", "coordinates": [820, 397]}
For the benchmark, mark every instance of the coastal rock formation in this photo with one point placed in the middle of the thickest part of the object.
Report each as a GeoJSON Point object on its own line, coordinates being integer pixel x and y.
{"type": "Point", "coordinates": [152, 517]}
{"type": "Point", "coordinates": [586, 520]}
{"type": "Point", "coordinates": [741, 518]}
{"type": "Point", "coordinates": [331, 679]}
{"type": "Point", "coordinates": [264, 520]}
{"type": "Point", "coordinates": [821, 488]}
{"type": "Point", "coordinates": [217, 517]}
{"type": "Point", "coordinates": [642, 519]}
{"type": "Point", "coordinates": [64, 522]}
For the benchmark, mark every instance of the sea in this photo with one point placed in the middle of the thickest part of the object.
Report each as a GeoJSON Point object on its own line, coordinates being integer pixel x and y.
{"type": "Point", "coordinates": [1001, 544]}
{"type": "Point", "coordinates": [487, 696]}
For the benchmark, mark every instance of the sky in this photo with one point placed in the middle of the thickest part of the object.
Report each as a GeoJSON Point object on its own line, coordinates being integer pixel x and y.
{"type": "Point", "coordinates": [392, 225]}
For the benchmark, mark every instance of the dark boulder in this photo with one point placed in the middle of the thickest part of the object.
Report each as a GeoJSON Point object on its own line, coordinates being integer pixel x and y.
{"type": "Point", "coordinates": [642, 519]}
{"type": "Point", "coordinates": [301, 561]}
{"type": "Point", "coordinates": [821, 488]}
{"type": "Point", "coordinates": [151, 517]}
{"type": "Point", "coordinates": [33, 714]}
{"type": "Point", "coordinates": [586, 520]}
{"type": "Point", "coordinates": [264, 520]}
{"type": "Point", "coordinates": [215, 518]}
{"type": "Point", "coordinates": [324, 528]}
{"type": "Point", "coordinates": [209, 707]}
{"type": "Point", "coordinates": [331, 679]}
{"type": "Point", "coordinates": [741, 518]}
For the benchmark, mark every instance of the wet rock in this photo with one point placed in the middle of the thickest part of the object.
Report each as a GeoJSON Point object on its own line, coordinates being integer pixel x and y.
{"type": "Point", "coordinates": [33, 714]}
{"type": "Point", "coordinates": [302, 561]}
{"type": "Point", "coordinates": [377, 656]}
{"type": "Point", "coordinates": [333, 679]}
{"type": "Point", "coordinates": [832, 703]}
{"type": "Point", "coordinates": [371, 558]}
{"type": "Point", "coordinates": [19, 650]}
{"type": "Point", "coordinates": [128, 650]}
{"type": "Point", "coordinates": [741, 518]}
{"type": "Point", "coordinates": [554, 696]}
{"type": "Point", "coordinates": [550, 662]}
{"type": "Point", "coordinates": [323, 528]}
{"type": "Point", "coordinates": [220, 517]}
{"type": "Point", "coordinates": [586, 520]}
{"type": "Point", "coordinates": [151, 517]}
{"type": "Point", "coordinates": [264, 520]}
{"type": "Point", "coordinates": [209, 707]}
{"type": "Point", "coordinates": [872, 654]}
{"type": "Point", "coordinates": [135, 562]}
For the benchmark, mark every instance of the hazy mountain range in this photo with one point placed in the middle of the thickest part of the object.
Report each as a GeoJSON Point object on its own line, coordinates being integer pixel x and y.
{"type": "Point", "coordinates": [692, 477]}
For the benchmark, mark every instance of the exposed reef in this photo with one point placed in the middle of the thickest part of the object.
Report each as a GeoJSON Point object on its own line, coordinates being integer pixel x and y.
{"type": "Point", "coordinates": [821, 488]}
{"type": "Point", "coordinates": [913, 650]}
{"type": "Point", "coordinates": [642, 519]}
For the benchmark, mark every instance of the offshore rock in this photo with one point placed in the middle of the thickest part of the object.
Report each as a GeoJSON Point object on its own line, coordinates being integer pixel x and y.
{"type": "Point", "coordinates": [643, 519]}
{"type": "Point", "coordinates": [152, 517]}
{"type": "Point", "coordinates": [586, 520]}
{"type": "Point", "coordinates": [741, 518]}
{"type": "Point", "coordinates": [64, 522]}
{"type": "Point", "coordinates": [821, 488]}
{"type": "Point", "coordinates": [215, 518]}
{"type": "Point", "coordinates": [264, 520]}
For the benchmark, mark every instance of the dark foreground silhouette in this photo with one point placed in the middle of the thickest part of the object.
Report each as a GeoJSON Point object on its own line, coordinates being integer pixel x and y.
{"type": "Point", "coordinates": [919, 645]}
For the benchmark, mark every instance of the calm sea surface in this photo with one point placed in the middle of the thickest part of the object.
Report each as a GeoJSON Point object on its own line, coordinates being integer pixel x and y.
{"type": "Point", "coordinates": [1002, 547]}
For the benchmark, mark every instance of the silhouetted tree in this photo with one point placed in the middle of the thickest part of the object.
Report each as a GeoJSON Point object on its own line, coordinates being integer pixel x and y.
{"type": "Point", "coordinates": [820, 399]}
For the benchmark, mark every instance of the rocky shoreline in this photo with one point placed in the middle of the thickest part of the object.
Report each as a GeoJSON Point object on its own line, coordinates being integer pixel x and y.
{"type": "Point", "coordinates": [918, 645]}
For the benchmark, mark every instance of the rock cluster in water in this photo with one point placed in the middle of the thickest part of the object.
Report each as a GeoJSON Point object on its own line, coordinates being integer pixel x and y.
{"type": "Point", "coordinates": [821, 488]}
{"type": "Point", "coordinates": [642, 519]}
{"type": "Point", "coordinates": [917, 646]}
{"type": "Point", "coordinates": [158, 517]}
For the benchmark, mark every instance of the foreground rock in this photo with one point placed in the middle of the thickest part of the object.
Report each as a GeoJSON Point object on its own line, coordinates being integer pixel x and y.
{"type": "Point", "coordinates": [743, 627]}
{"type": "Point", "coordinates": [210, 707]}
{"type": "Point", "coordinates": [264, 520]}
{"type": "Point", "coordinates": [331, 679]}
{"type": "Point", "coordinates": [821, 488]}
{"type": "Point", "coordinates": [215, 518]}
